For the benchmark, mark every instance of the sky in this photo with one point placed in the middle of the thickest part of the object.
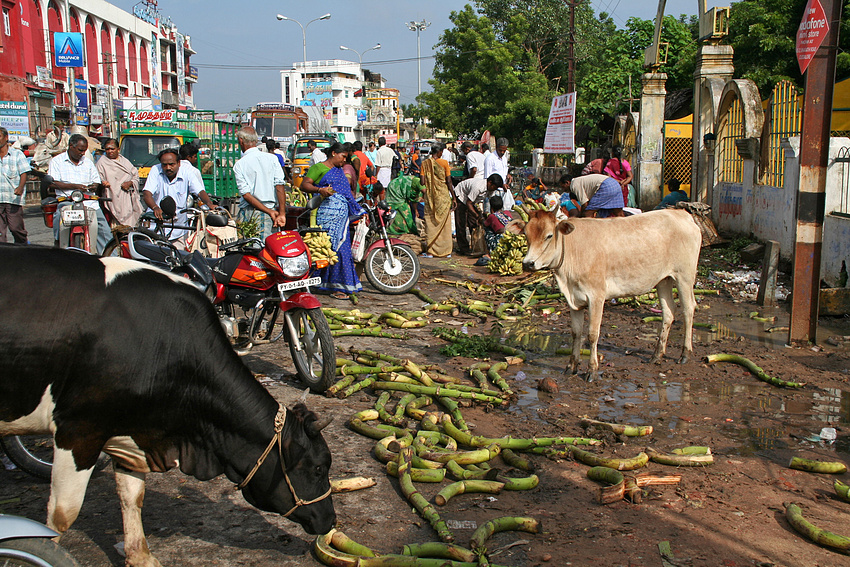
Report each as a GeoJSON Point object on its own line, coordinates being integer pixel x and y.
{"type": "Point", "coordinates": [249, 40]}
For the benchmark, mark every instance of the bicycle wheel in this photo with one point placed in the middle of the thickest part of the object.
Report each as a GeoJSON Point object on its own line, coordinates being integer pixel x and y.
{"type": "Point", "coordinates": [315, 360]}
{"type": "Point", "coordinates": [33, 454]}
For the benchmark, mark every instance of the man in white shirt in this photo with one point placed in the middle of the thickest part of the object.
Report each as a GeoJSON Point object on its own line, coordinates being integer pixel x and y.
{"type": "Point", "coordinates": [72, 171]}
{"type": "Point", "coordinates": [497, 162]}
{"type": "Point", "coordinates": [384, 161]}
{"type": "Point", "coordinates": [448, 155]}
{"type": "Point", "coordinates": [474, 161]}
{"type": "Point", "coordinates": [316, 155]}
{"type": "Point", "coordinates": [467, 193]}
{"type": "Point", "coordinates": [173, 180]}
{"type": "Point", "coordinates": [260, 181]}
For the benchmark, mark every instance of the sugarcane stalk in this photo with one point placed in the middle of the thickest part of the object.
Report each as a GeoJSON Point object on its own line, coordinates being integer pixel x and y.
{"type": "Point", "coordinates": [632, 491]}
{"type": "Point", "coordinates": [421, 295]}
{"type": "Point", "coordinates": [479, 378]}
{"type": "Point", "coordinates": [391, 560]}
{"type": "Point", "coordinates": [504, 524]}
{"type": "Point", "coordinates": [339, 385]}
{"type": "Point", "coordinates": [463, 457]}
{"type": "Point", "coordinates": [615, 491]}
{"type": "Point", "coordinates": [515, 461]}
{"type": "Point", "coordinates": [378, 431]}
{"type": "Point", "coordinates": [465, 486]}
{"type": "Point", "coordinates": [437, 391]}
{"type": "Point", "coordinates": [347, 545]}
{"type": "Point", "coordinates": [808, 530]}
{"type": "Point", "coordinates": [417, 373]}
{"type": "Point", "coordinates": [439, 550]}
{"type": "Point", "coordinates": [454, 412]}
{"type": "Point", "coordinates": [354, 369]}
{"type": "Point", "coordinates": [354, 388]}
{"type": "Point", "coordinates": [401, 406]}
{"type": "Point", "coordinates": [619, 429]}
{"type": "Point", "coordinates": [396, 377]}
{"type": "Point", "coordinates": [755, 370]}
{"type": "Point", "coordinates": [524, 483]}
{"type": "Point", "coordinates": [459, 472]}
{"type": "Point", "coordinates": [594, 460]}
{"type": "Point", "coordinates": [384, 415]}
{"type": "Point", "coordinates": [842, 490]}
{"type": "Point", "coordinates": [352, 484]}
{"type": "Point", "coordinates": [468, 440]}
{"type": "Point", "coordinates": [569, 352]}
{"type": "Point", "coordinates": [434, 438]}
{"type": "Point", "coordinates": [675, 460]}
{"type": "Point", "coordinates": [328, 555]}
{"type": "Point", "coordinates": [809, 465]}
{"type": "Point", "coordinates": [418, 501]}
{"type": "Point", "coordinates": [496, 378]}
{"type": "Point", "coordinates": [418, 475]}
{"type": "Point", "coordinates": [368, 332]}
{"type": "Point", "coordinates": [377, 355]}
{"type": "Point", "coordinates": [414, 410]}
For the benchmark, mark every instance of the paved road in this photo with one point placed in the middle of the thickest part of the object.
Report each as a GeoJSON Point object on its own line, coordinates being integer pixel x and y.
{"type": "Point", "coordinates": [34, 223]}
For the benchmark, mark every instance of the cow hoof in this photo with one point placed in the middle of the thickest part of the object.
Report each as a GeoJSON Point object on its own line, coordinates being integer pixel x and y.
{"type": "Point", "coordinates": [684, 360]}
{"type": "Point", "coordinates": [656, 359]}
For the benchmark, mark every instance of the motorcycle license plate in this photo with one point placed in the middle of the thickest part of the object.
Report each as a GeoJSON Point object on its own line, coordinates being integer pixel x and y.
{"type": "Point", "coordinates": [288, 286]}
{"type": "Point", "coordinates": [73, 217]}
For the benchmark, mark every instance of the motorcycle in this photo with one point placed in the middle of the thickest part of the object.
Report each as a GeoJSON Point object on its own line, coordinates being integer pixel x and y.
{"type": "Point", "coordinates": [389, 263]}
{"type": "Point", "coordinates": [33, 454]}
{"type": "Point", "coordinates": [78, 222]}
{"type": "Point", "coordinates": [28, 543]}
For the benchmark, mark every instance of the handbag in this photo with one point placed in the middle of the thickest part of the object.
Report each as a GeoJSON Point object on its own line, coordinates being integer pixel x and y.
{"type": "Point", "coordinates": [358, 241]}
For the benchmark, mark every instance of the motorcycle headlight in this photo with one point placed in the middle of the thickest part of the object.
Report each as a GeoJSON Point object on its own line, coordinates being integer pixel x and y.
{"type": "Point", "coordinates": [295, 267]}
{"type": "Point", "coordinates": [77, 196]}
{"type": "Point", "coordinates": [390, 215]}
{"type": "Point", "coordinates": [296, 170]}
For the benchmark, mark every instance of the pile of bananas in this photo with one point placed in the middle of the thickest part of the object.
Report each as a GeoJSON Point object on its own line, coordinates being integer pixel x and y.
{"type": "Point", "coordinates": [506, 259]}
{"type": "Point", "coordinates": [295, 196]}
{"type": "Point", "coordinates": [319, 244]}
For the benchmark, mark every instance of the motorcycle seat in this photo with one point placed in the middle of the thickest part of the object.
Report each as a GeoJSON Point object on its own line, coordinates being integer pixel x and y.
{"type": "Point", "coordinates": [158, 253]}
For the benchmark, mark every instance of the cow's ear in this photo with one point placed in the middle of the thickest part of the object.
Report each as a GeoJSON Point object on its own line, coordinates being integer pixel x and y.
{"type": "Point", "coordinates": [515, 226]}
{"type": "Point", "coordinates": [566, 227]}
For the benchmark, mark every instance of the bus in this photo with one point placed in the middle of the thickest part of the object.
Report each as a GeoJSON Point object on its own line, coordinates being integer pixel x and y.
{"type": "Point", "coordinates": [279, 122]}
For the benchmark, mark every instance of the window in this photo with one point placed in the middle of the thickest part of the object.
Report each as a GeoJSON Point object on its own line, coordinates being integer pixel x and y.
{"type": "Point", "coordinates": [7, 27]}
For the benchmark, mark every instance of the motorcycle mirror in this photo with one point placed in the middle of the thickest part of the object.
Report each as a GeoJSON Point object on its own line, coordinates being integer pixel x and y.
{"type": "Point", "coordinates": [169, 207]}
{"type": "Point", "coordinates": [314, 202]}
{"type": "Point", "coordinates": [46, 182]}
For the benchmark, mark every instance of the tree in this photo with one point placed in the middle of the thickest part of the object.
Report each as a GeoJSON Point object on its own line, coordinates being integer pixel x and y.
{"type": "Point", "coordinates": [484, 82]}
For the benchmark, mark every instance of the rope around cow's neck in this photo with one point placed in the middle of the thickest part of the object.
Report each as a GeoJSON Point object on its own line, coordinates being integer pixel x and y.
{"type": "Point", "coordinates": [279, 422]}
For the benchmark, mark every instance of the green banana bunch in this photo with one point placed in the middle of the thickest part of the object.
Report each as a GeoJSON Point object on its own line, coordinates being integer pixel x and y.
{"type": "Point", "coordinates": [295, 196]}
{"type": "Point", "coordinates": [506, 258]}
{"type": "Point", "coordinates": [320, 247]}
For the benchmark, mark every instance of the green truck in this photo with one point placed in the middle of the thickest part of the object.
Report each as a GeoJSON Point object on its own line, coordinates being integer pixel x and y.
{"type": "Point", "coordinates": [144, 133]}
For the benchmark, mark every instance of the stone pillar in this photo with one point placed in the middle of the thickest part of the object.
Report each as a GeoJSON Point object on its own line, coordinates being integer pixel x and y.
{"type": "Point", "coordinates": [713, 68]}
{"type": "Point", "coordinates": [651, 140]}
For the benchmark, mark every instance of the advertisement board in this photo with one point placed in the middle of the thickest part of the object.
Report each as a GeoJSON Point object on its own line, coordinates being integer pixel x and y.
{"type": "Point", "coordinates": [180, 63]}
{"type": "Point", "coordinates": [150, 115]}
{"type": "Point", "coordinates": [96, 115]}
{"type": "Point", "coordinates": [156, 92]}
{"type": "Point", "coordinates": [68, 49]}
{"type": "Point", "coordinates": [14, 118]}
{"type": "Point", "coordinates": [319, 93]}
{"type": "Point", "coordinates": [560, 129]}
{"type": "Point", "coordinates": [811, 33]}
{"type": "Point", "coordinates": [81, 90]}
{"type": "Point", "coordinates": [43, 78]}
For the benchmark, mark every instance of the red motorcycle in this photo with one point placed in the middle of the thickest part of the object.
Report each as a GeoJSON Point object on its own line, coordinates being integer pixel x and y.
{"type": "Point", "coordinates": [263, 295]}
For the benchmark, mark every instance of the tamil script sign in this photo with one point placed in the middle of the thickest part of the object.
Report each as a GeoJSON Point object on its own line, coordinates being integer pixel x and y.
{"type": "Point", "coordinates": [150, 115]}
{"type": "Point", "coordinates": [14, 118]}
{"type": "Point", "coordinates": [96, 114]}
{"type": "Point", "coordinates": [560, 129]}
{"type": "Point", "coordinates": [68, 47]}
{"type": "Point", "coordinates": [811, 33]}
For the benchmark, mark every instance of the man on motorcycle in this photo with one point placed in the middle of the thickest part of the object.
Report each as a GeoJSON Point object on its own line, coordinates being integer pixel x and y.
{"type": "Point", "coordinates": [173, 181]}
{"type": "Point", "coordinates": [71, 171]}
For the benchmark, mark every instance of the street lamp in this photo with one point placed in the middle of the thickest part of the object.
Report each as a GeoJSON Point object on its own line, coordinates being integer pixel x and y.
{"type": "Point", "coordinates": [418, 27]}
{"type": "Point", "coordinates": [304, 37]}
{"type": "Point", "coordinates": [360, 70]}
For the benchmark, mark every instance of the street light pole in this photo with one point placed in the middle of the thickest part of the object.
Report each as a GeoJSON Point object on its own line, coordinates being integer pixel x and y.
{"type": "Point", "coordinates": [360, 71]}
{"type": "Point", "coordinates": [304, 47]}
{"type": "Point", "coordinates": [418, 27]}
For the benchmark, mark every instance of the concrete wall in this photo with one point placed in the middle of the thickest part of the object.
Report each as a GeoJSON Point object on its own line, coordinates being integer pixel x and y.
{"type": "Point", "coordinates": [767, 213]}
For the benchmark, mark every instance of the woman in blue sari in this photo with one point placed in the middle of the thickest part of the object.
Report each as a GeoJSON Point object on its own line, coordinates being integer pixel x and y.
{"type": "Point", "coordinates": [329, 180]}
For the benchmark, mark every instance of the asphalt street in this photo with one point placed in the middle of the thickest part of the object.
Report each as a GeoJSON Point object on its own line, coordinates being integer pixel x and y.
{"type": "Point", "coordinates": [37, 232]}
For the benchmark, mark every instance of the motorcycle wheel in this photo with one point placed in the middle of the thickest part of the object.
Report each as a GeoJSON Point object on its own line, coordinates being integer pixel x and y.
{"type": "Point", "coordinates": [395, 278]}
{"type": "Point", "coordinates": [33, 454]}
{"type": "Point", "coordinates": [35, 552]}
{"type": "Point", "coordinates": [77, 241]}
{"type": "Point", "coordinates": [315, 364]}
{"type": "Point", "coordinates": [113, 248]}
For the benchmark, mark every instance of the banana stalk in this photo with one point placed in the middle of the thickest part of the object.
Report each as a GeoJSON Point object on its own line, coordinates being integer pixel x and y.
{"type": "Point", "coordinates": [418, 501]}
{"type": "Point", "coordinates": [384, 415]}
{"type": "Point", "coordinates": [619, 429]}
{"type": "Point", "coordinates": [515, 461]}
{"type": "Point", "coordinates": [405, 324]}
{"type": "Point", "coordinates": [339, 385]}
{"type": "Point", "coordinates": [614, 478]}
{"type": "Point", "coordinates": [468, 440]}
{"type": "Point", "coordinates": [352, 484]}
{"type": "Point", "coordinates": [439, 550]}
{"type": "Point", "coordinates": [755, 370]}
{"type": "Point", "coordinates": [421, 295]}
{"type": "Point", "coordinates": [504, 524]}
{"type": "Point", "coordinates": [464, 486]}
{"type": "Point", "coordinates": [378, 431]}
{"type": "Point", "coordinates": [676, 460]}
{"type": "Point", "coordinates": [401, 406]}
{"type": "Point", "coordinates": [354, 388]}
{"type": "Point", "coordinates": [347, 545]}
{"type": "Point", "coordinates": [692, 450]}
{"type": "Point", "coordinates": [438, 391]}
{"type": "Point", "coordinates": [454, 412]}
{"type": "Point", "coordinates": [632, 491]}
{"type": "Point", "coordinates": [496, 378]}
{"type": "Point", "coordinates": [842, 490]}
{"type": "Point", "coordinates": [368, 332]}
{"type": "Point", "coordinates": [418, 475]}
{"type": "Point", "coordinates": [820, 536]}
{"type": "Point", "coordinates": [417, 373]}
{"type": "Point", "coordinates": [355, 369]}
{"type": "Point", "coordinates": [328, 555]}
{"type": "Point", "coordinates": [414, 410]}
{"type": "Point", "coordinates": [808, 465]}
{"type": "Point", "coordinates": [479, 378]}
{"type": "Point", "coordinates": [524, 483]}
{"type": "Point", "coordinates": [463, 457]}
{"type": "Point", "coordinates": [460, 473]}
{"type": "Point", "coordinates": [433, 438]}
{"type": "Point", "coordinates": [396, 377]}
{"type": "Point", "coordinates": [593, 460]}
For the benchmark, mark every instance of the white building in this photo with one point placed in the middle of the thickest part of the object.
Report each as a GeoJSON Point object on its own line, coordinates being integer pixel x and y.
{"type": "Point", "coordinates": [332, 85]}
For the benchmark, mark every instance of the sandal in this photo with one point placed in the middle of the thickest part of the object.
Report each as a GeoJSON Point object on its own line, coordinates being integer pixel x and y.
{"type": "Point", "coordinates": [340, 295]}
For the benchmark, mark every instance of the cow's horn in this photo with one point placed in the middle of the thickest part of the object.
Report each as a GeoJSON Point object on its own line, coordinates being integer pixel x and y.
{"type": "Point", "coordinates": [303, 398]}
{"type": "Point", "coordinates": [320, 424]}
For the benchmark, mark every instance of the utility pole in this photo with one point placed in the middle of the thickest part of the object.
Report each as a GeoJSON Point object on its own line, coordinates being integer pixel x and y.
{"type": "Point", "coordinates": [418, 27]}
{"type": "Point", "coordinates": [571, 43]}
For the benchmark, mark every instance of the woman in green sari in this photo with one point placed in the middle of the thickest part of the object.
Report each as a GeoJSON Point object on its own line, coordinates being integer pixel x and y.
{"type": "Point", "coordinates": [403, 193]}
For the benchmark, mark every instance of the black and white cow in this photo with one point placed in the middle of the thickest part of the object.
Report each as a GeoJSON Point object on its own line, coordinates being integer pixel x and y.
{"type": "Point", "coordinates": [112, 355]}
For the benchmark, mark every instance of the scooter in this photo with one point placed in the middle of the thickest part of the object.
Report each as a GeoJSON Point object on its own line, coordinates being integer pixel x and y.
{"type": "Point", "coordinates": [389, 263]}
{"type": "Point", "coordinates": [77, 222]}
{"type": "Point", "coordinates": [28, 543]}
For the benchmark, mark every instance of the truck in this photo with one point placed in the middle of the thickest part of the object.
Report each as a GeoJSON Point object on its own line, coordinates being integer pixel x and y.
{"type": "Point", "coordinates": [278, 121]}
{"type": "Point", "coordinates": [145, 133]}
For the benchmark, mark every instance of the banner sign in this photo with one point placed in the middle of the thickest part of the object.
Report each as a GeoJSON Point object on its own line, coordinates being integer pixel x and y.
{"type": "Point", "coordinates": [180, 62]}
{"type": "Point", "coordinates": [362, 115]}
{"type": "Point", "coordinates": [560, 129]}
{"type": "Point", "coordinates": [96, 115]}
{"type": "Point", "coordinates": [391, 138]}
{"type": "Point", "coordinates": [14, 118]}
{"type": "Point", "coordinates": [150, 115]}
{"type": "Point", "coordinates": [318, 93]}
{"type": "Point", "coordinates": [811, 33]}
{"type": "Point", "coordinates": [193, 72]}
{"type": "Point", "coordinates": [81, 90]}
{"type": "Point", "coordinates": [43, 78]}
{"type": "Point", "coordinates": [68, 49]}
{"type": "Point", "coordinates": [156, 93]}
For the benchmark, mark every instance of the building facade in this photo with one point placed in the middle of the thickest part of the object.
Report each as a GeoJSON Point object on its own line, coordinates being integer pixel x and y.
{"type": "Point", "coordinates": [342, 89]}
{"type": "Point", "coordinates": [137, 60]}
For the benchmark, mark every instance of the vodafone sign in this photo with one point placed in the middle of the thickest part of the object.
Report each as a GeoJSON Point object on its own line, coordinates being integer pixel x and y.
{"type": "Point", "coordinates": [812, 32]}
{"type": "Point", "coordinates": [150, 115]}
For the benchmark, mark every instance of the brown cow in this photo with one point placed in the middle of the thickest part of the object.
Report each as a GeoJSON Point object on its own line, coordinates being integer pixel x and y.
{"type": "Point", "coordinates": [595, 260]}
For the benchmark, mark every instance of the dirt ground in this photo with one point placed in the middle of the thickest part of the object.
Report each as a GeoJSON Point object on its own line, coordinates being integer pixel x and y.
{"type": "Point", "coordinates": [729, 514]}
